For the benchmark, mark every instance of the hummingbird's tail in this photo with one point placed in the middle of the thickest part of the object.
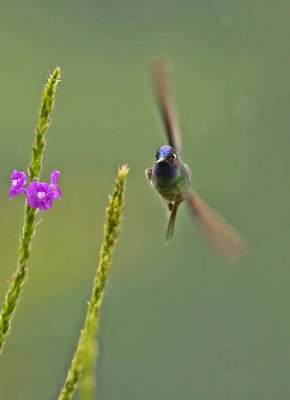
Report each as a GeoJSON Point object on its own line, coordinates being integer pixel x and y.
{"type": "Point", "coordinates": [170, 228]}
{"type": "Point", "coordinates": [223, 236]}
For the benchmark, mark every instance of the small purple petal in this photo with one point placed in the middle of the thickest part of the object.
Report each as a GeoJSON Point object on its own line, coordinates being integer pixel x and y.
{"type": "Point", "coordinates": [46, 205]}
{"type": "Point", "coordinates": [54, 177]}
{"type": "Point", "coordinates": [56, 192]}
{"type": "Point", "coordinates": [40, 195]}
{"type": "Point", "coordinates": [18, 181]}
{"type": "Point", "coordinates": [54, 181]}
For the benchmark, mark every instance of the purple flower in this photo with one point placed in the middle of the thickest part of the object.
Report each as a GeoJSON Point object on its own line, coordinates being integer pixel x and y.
{"type": "Point", "coordinates": [40, 195]}
{"type": "Point", "coordinates": [18, 181]}
{"type": "Point", "coordinates": [53, 185]}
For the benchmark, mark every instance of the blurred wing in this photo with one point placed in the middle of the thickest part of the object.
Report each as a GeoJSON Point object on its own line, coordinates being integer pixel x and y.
{"type": "Point", "coordinates": [223, 236]}
{"type": "Point", "coordinates": [160, 79]}
{"type": "Point", "coordinates": [148, 173]}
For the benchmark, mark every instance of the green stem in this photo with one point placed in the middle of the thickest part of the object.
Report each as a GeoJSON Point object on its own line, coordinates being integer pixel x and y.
{"type": "Point", "coordinates": [17, 281]}
{"type": "Point", "coordinates": [84, 356]}
{"type": "Point", "coordinates": [90, 354]}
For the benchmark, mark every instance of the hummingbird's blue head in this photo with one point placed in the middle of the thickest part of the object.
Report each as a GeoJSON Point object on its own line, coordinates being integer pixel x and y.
{"type": "Point", "coordinates": [167, 154]}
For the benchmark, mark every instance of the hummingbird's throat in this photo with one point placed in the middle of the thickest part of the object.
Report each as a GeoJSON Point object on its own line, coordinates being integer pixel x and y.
{"type": "Point", "coordinates": [165, 170]}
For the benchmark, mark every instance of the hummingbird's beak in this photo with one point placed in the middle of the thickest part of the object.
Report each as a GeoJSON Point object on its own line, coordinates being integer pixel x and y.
{"type": "Point", "coordinates": [160, 159]}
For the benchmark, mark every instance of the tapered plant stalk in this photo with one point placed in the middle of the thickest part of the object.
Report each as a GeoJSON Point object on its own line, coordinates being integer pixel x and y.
{"type": "Point", "coordinates": [85, 355]}
{"type": "Point", "coordinates": [14, 291]}
{"type": "Point", "coordinates": [90, 353]}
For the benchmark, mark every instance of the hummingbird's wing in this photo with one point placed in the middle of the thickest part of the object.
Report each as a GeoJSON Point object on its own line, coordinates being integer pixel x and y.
{"type": "Point", "coordinates": [223, 236]}
{"type": "Point", "coordinates": [148, 173]}
{"type": "Point", "coordinates": [161, 84]}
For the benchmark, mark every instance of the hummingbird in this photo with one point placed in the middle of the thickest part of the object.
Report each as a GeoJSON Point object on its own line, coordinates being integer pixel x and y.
{"type": "Point", "coordinates": [171, 177]}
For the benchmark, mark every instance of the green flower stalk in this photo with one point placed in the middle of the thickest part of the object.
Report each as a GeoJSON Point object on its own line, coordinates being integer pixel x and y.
{"type": "Point", "coordinates": [14, 291]}
{"type": "Point", "coordinates": [47, 103]}
{"type": "Point", "coordinates": [84, 359]}
{"type": "Point", "coordinates": [90, 354]}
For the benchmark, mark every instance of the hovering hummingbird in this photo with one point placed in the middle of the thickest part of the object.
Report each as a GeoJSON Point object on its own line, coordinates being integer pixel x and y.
{"type": "Point", "coordinates": [171, 177]}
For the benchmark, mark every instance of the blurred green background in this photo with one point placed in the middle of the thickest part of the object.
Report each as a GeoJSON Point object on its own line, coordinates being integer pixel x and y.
{"type": "Point", "coordinates": [177, 322]}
